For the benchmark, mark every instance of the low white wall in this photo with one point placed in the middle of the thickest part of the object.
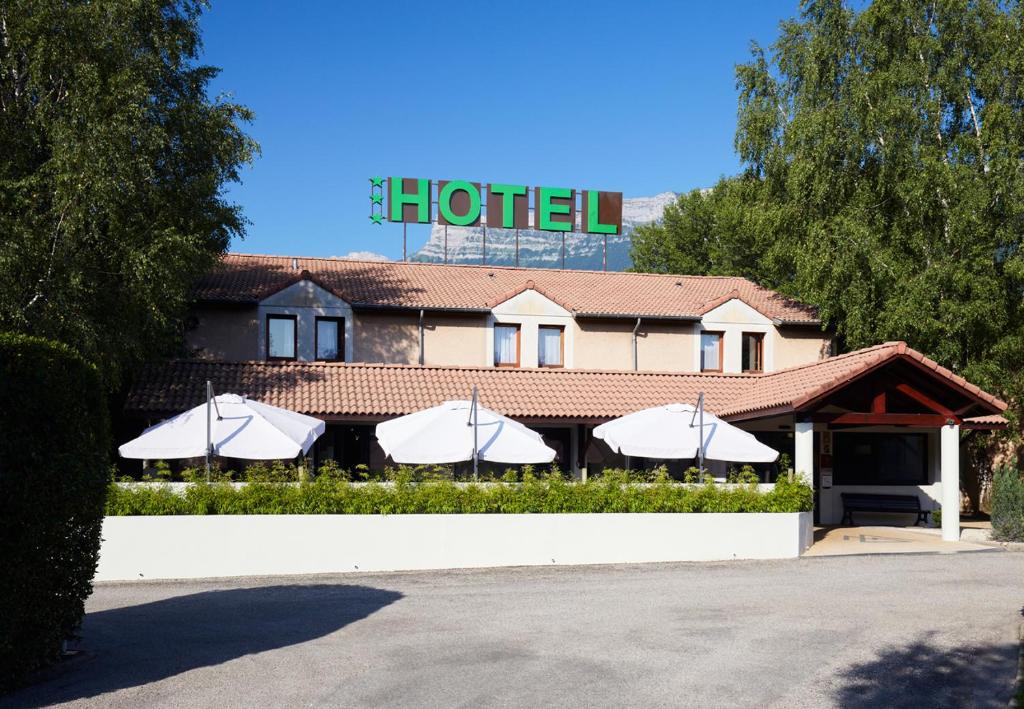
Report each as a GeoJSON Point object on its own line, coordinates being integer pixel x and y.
{"type": "Point", "coordinates": [199, 546]}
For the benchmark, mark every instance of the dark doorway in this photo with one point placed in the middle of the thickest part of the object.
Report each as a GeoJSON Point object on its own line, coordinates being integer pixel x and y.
{"type": "Point", "coordinates": [348, 445]}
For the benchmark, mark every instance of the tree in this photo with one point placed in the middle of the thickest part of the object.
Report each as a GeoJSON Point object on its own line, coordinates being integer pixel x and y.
{"type": "Point", "coordinates": [882, 180]}
{"type": "Point", "coordinates": [115, 162]}
{"type": "Point", "coordinates": [53, 484]}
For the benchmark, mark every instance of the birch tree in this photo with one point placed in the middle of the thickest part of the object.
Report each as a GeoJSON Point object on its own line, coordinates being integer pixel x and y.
{"type": "Point", "coordinates": [883, 180]}
{"type": "Point", "coordinates": [113, 170]}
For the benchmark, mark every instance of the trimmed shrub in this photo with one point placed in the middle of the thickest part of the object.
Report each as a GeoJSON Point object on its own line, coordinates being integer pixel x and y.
{"type": "Point", "coordinates": [54, 441]}
{"type": "Point", "coordinates": [1008, 505]}
{"type": "Point", "coordinates": [332, 492]}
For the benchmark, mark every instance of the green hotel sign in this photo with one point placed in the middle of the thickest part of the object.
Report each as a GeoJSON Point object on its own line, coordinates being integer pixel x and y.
{"type": "Point", "coordinates": [496, 205]}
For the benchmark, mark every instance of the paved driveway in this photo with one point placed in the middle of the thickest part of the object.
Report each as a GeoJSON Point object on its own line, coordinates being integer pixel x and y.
{"type": "Point", "coordinates": [900, 630]}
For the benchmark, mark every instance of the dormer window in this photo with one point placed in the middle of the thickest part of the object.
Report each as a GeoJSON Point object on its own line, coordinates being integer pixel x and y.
{"type": "Point", "coordinates": [711, 351]}
{"type": "Point", "coordinates": [281, 339]}
{"type": "Point", "coordinates": [550, 345]}
{"type": "Point", "coordinates": [330, 339]}
{"type": "Point", "coordinates": [753, 352]}
{"type": "Point", "coordinates": [506, 345]}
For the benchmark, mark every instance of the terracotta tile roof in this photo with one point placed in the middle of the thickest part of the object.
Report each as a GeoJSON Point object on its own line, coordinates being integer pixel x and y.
{"type": "Point", "coordinates": [797, 386]}
{"type": "Point", "coordinates": [983, 422]}
{"type": "Point", "coordinates": [380, 391]}
{"type": "Point", "coordinates": [251, 278]}
{"type": "Point", "coordinates": [376, 390]}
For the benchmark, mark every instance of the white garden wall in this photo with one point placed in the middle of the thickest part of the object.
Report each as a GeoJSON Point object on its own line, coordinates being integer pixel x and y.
{"type": "Point", "coordinates": [136, 548]}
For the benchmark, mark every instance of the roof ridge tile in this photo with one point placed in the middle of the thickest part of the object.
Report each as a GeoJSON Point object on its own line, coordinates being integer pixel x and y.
{"type": "Point", "coordinates": [502, 267]}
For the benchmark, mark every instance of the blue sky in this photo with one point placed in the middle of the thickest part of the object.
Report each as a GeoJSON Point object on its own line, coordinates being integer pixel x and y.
{"type": "Point", "coordinates": [635, 97]}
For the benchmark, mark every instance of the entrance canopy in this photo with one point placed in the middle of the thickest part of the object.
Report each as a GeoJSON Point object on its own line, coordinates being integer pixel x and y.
{"type": "Point", "coordinates": [888, 385]}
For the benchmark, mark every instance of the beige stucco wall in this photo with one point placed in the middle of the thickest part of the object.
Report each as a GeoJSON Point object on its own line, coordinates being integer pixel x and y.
{"type": "Point", "coordinates": [454, 340]}
{"type": "Point", "coordinates": [391, 338]}
{"type": "Point", "coordinates": [229, 334]}
{"type": "Point", "coordinates": [662, 346]}
{"type": "Point", "coordinates": [458, 339]}
{"type": "Point", "coordinates": [795, 347]}
{"type": "Point", "coordinates": [665, 347]}
{"type": "Point", "coordinates": [603, 344]}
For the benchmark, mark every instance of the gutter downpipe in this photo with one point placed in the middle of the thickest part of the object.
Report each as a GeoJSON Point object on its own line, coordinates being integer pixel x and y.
{"type": "Point", "coordinates": [635, 328]}
{"type": "Point", "coordinates": [421, 337]}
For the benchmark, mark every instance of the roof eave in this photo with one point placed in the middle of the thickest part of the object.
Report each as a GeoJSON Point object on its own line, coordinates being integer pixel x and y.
{"type": "Point", "coordinates": [784, 322]}
{"type": "Point", "coordinates": [633, 316]}
{"type": "Point", "coordinates": [235, 302]}
{"type": "Point", "coordinates": [416, 308]}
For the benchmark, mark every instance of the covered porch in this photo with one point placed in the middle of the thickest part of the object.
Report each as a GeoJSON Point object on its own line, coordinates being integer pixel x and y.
{"type": "Point", "coordinates": [895, 427]}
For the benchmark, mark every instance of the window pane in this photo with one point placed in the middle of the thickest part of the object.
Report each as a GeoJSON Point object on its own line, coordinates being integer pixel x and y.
{"type": "Point", "coordinates": [880, 458]}
{"type": "Point", "coordinates": [549, 346]}
{"type": "Point", "coordinates": [505, 344]}
{"type": "Point", "coordinates": [709, 342]}
{"type": "Point", "coordinates": [327, 339]}
{"type": "Point", "coordinates": [753, 352]}
{"type": "Point", "coordinates": [281, 332]}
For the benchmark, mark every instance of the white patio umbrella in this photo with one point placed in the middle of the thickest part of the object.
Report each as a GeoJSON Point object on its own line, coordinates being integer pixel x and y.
{"type": "Point", "coordinates": [458, 431]}
{"type": "Point", "coordinates": [672, 432]}
{"type": "Point", "coordinates": [227, 425]}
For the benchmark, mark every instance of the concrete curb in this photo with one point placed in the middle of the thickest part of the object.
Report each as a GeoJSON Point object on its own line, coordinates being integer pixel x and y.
{"type": "Point", "coordinates": [973, 534]}
{"type": "Point", "coordinates": [1005, 546]}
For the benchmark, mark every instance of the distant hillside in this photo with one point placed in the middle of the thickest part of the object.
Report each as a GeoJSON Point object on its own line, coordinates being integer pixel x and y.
{"type": "Point", "coordinates": [541, 248]}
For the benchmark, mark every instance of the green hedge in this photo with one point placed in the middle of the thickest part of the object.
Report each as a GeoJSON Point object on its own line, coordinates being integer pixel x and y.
{"type": "Point", "coordinates": [334, 494]}
{"type": "Point", "coordinates": [1008, 505]}
{"type": "Point", "coordinates": [54, 440]}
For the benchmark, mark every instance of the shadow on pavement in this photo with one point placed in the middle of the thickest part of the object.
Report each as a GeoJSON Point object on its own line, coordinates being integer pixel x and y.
{"type": "Point", "coordinates": [922, 674]}
{"type": "Point", "coordinates": [135, 645]}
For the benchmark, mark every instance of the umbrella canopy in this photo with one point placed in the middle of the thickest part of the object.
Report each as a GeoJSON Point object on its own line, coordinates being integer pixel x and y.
{"type": "Point", "coordinates": [444, 434]}
{"type": "Point", "coordinates": [239, 428]}
{"type": "Point", "coordinates": [671, 432]}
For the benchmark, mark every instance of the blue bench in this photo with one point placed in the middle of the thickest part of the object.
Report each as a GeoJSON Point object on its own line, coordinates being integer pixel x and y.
{"type": "Point", "coordinates": [869, 502]}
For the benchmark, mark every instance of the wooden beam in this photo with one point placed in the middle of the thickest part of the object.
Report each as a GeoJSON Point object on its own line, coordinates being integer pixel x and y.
{"type": "Point", "coordinates": [878, 403]}
{"type": "Point", "coordinates": [925, 400]}
{"type": "Point", "coordinates": [861, 419]}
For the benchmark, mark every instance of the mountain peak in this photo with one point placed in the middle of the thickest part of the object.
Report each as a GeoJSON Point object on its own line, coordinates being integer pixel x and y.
{"type": "Point", "coordinates": [544, 248]}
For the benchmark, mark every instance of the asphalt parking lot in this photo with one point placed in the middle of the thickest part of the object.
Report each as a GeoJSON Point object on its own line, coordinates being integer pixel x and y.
{"type": "Point", "coordinates": [859, 631]}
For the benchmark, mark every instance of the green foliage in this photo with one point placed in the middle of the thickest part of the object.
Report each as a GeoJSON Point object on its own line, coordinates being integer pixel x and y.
{"type": "Point", "coordinates": [744, 475]}
{"type": "Point", "coordinates": [1008, 505]}
{"type": "Point", "coordinates": [881, 149]}
{"type": "Point", "coordinates": [53, 481]}
{"type": "Point", "coordinates": [332, 492]}
{"type": "Point", "coordinates": [112, 182]}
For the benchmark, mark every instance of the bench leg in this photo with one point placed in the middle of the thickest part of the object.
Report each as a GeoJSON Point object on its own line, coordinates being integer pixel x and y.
{"type": "Point", "coordinates": [847, 518]}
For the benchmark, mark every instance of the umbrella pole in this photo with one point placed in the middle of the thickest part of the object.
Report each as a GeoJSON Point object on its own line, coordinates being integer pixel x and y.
{"type": "Point", "coordinates": [700, 435]}
{"type": "Point", "coordinates": [700, 404]}
{"type": "Point", "coordinates": [209, 435]}
{"type": "Point", "coordinates": [476, 452]}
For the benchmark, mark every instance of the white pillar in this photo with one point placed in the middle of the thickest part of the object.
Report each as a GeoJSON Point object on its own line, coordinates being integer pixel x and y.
{"type": "Point", "coordinates": [949, 457]}
{"type": "Point", "coordinates": [803, 462]}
